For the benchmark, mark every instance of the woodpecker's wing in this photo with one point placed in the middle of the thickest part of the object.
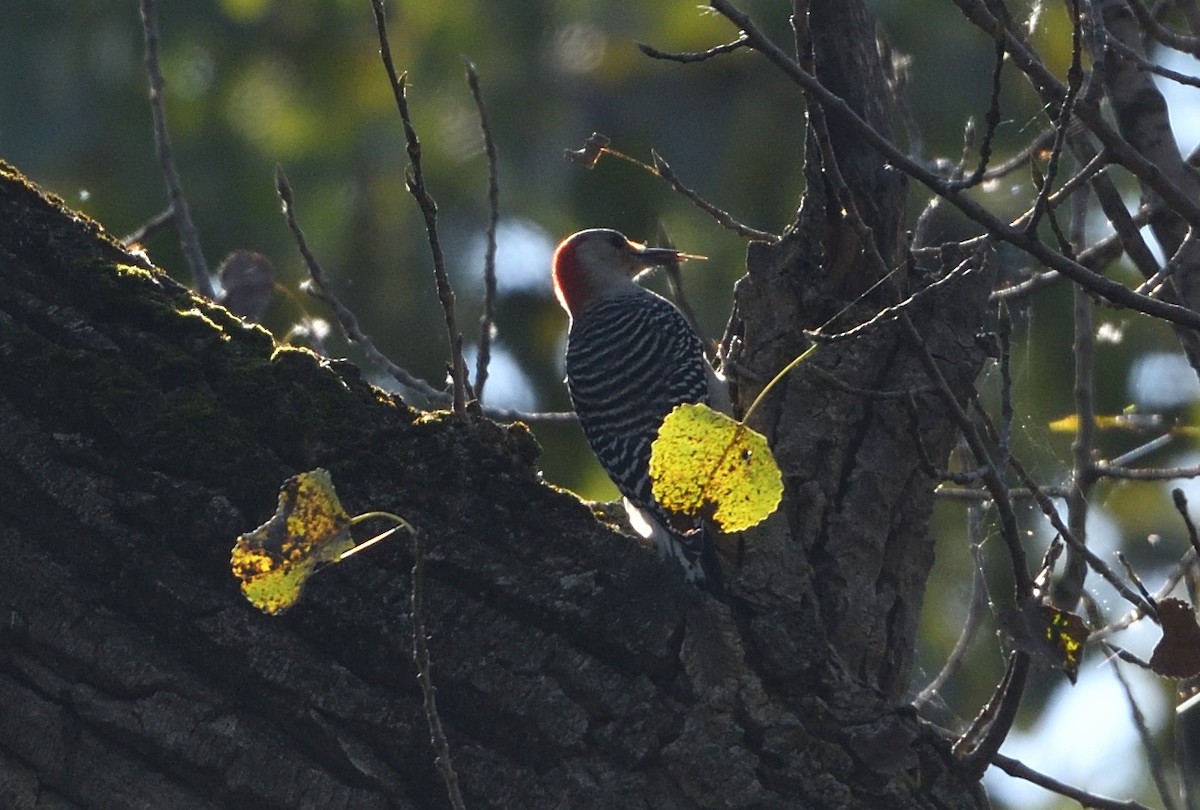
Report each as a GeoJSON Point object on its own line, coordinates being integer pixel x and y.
{"type": "Point", "coordinates": [630, 361]}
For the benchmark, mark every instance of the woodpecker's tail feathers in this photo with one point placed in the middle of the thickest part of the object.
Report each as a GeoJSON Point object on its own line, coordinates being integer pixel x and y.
{"type": "Point", "coordinates": [693, 550]}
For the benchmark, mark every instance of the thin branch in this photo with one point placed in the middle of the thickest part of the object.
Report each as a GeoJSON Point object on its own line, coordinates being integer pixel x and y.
{"type": "Point", "coordinates": [425, 677]}
{"type": "Point", "coordinates": [415, 181]}
{"type": "Point", "coordinates": [1022, 584]}
{"type": "Point", "coordinates": [723, 218]}
{"type": "Point", "coordinates": [1142, 63]}
{"type": "Point", "coordinates": [1098, 565]}
{"type": "Point", "coordinates": [1112, 470]}
{"type": "Point", "coordinates": [1063, 124]}
{"type": "Point", "coordinates": [1007, 413]}
{"type": "Point", "coordinates": [1154, 758]}
{"type": "Point", "coordinates": [487, 321]}
{"type": "Point", "coordinates": [692, 56]}
{"type": "Point", "coordinates": [1051, 512]}
{"type": "Point", "coordinates": [1181, 505]}
{"type": "Point", "coordinates": [963, 494]}
{"type": "Point", "coordinates": [1020, 770]}
{"type": "Point", "coordinates": [991, 122]}
{"type": "Point", "coordinates": [1083, 471]}
{"type": "Point", "coordinates": [1039, 144]}
{"type": "Point", "coordinates": [159, 222]}
{"type": "Point", "coordinates": [189, 239]}
{"type": "Point", "coordinates": [1001, 710]}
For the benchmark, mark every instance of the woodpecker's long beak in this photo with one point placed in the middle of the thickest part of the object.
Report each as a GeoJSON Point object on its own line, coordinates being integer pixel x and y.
{"type": "Point", "coordinates": [652, 257]}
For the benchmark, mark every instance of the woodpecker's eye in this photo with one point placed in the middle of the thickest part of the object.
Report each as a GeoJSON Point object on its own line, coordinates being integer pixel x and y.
{"type": "Point", "coordinates": [616, 240]}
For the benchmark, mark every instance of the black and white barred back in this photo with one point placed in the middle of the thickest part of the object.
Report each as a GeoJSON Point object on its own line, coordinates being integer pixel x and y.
{"type": "Point", "coordinates": [630, 360]}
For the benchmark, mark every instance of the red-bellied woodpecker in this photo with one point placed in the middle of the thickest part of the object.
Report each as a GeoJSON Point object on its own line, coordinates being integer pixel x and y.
{"type": "Point", "coordinates": [631, 358]}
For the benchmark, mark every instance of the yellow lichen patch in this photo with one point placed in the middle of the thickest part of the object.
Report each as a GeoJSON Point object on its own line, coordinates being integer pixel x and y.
{"type": "Point", "coordinates": [134, 270]}
{"type": "Point", "coordinates": [207, 321]}
{"type": "Point", "coordinates": [705, 464]}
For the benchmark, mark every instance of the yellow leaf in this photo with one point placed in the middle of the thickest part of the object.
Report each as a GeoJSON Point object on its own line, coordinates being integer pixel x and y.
{"type": "Point", "coordinates": [1129, 420]}
{"type": "Point", "coordinates": [705, 464]}
{"type": "Point", "coordinates": [309, 528]}
{"type": "Point", "coordinates": [1067, 424]}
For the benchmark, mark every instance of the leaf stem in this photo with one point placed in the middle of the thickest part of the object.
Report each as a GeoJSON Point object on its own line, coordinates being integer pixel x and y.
{"type": "Point", "coordinates": [401, 523]}
{"type": "Point", "coordinates": [763, 393]}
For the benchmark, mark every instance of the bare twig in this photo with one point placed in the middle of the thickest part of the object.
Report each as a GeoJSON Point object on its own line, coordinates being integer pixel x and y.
{"type": "Point", "coordinates": [1181, 505]}
{"type": "Point", "coordinates": [596, 146]}
{"type": "Point", "coordinates": [679, 295]}
{"type": "Point", "coordinates": [487, 322]}
{"type": "Point", "coordinates": [1154, 757]}
{"type": "Point", "coordinates": [1053, 92]}
{"type": "Point", "coordinates": [991, 122]}
{"type": "Point", "coordinates": [1065, 111]}
{"type": "Point", "coordinates": [1042, 142]}
{"type": "Point", "coordinates": [189, 239]}
{"type": "Point", "coordinates": [692, 56]}
{"type": "Point", "coordinates": [1016, 768]}
{"type": "Point", "coordinates": [962, 494]}
{"type": "Point", "coordinates": [1001, 712]}
{"type": "Point", "coordinates": [425, 677]}
{"type": "Point", "coordinates": [1098, 565]}
{"type": "Point", "coordinates": [159, 222]}
{"type": "Point", "coordinates": [1112, 470]}
{"type": "Point", "coordinates": [1142, 63]}
{"type": "Point", "coordinates": [1083, 471]}
{"type": "Point", "coordinates": [1007, 413]}
{"type": "Point", "coordinates": [415, 181]}
{"type": "Point", "coordinates": [723, 218]}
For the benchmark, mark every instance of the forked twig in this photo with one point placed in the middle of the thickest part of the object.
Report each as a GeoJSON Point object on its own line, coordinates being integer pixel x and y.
{"type": "Point", "coordinates": [320, 289]}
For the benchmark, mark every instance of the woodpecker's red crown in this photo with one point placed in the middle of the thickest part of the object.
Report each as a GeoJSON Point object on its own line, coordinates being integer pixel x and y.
{"type": "Point", "coordinates": [598, 262]}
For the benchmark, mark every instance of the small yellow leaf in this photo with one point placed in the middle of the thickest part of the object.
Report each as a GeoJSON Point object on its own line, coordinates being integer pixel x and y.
{"type": "Point", "coordinates": [705, 464]}
{"type": "Point", "coordinates": [309, 528]}
{"type": "Point", "coordinates": [1067, 424]}
{"type": "Point", "coordinates": [1128, 420]}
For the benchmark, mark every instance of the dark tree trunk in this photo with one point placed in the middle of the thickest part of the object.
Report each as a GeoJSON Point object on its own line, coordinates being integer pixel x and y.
{"type": "Point", "coordinates": [142, 429]}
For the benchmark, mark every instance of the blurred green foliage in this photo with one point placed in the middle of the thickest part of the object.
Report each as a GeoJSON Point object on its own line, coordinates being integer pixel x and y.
{"type": "Point", "coordinates": [255, 83]}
